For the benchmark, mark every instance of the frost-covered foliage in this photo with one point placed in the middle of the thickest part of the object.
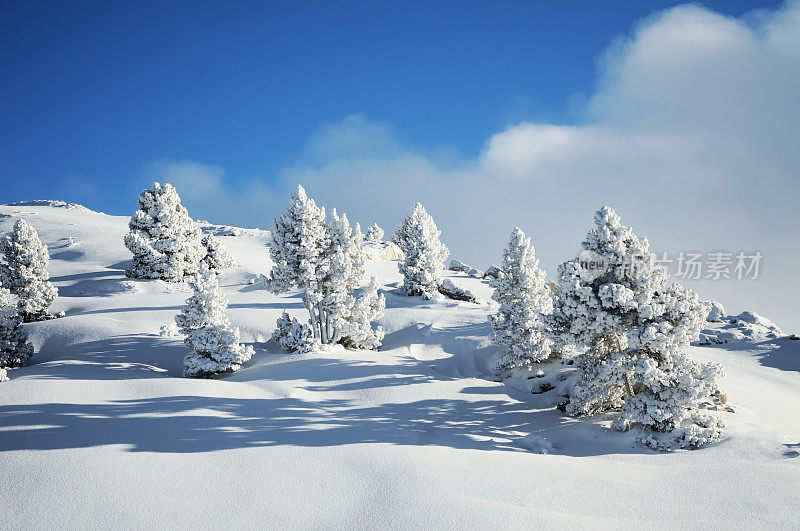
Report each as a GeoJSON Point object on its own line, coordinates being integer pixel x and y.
{"type": "Point", "coordinates": [24, 271]}
{"type": "Point", "coordinates": [357, 330]}
{"type": "Point", "coordinates": [344, 274]}
{"type": "Point", "coordinates": [294, 336]}
{"type": "Point", "coordinates": [3, 375]}
{"type": "Point", "coordinates": [418, 237]}
{"type": "Point", "coordinates": [213, 343]}
{"type": "Point", "coordinates": [374, 233]}
{"type": "Point", "coordinates": [217, 256]}
{"type": "Point", "coordinates": [635, 328]}
{"type": "Point", "coordinates": [163, 239]}
{"type": "Point", "coordinates": [326, 261]}
{"type": "Point", "coordinates": [168, 330]}
{"type": "Point", "coordinates": [524, 298]}
{"type": "Point", "coordinates": [14, 347]}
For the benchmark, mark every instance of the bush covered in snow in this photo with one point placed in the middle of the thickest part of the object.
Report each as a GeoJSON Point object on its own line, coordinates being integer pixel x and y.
{"type": "Point", "coordinates": [294, 336]}
{"type": "Point", "coordinates": [213, 343]}
{"type": "Point", "coordinates": [357, 331]}
{"type": "Point", "coordinates": [14, 347]}
{"type": "Point", "coordinates": [24, 271]}
{"type": "Point", "coordinates": [418, 238]}
{"type": "Point", "coordinates": [374, 233]}
{"type": "Point", "coordinates": [524, 298]}
{"type": "Point", "coordinates": [326, 260]}
{"type": "Point", "coordinates": [217, 256]}
{"type": "Point", "coordinates": [163, 239]}
{"type": "Point", "coordinates": [635, 329]}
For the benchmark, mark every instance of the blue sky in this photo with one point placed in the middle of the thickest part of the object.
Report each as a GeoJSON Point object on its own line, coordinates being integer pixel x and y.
{"type": "Point", "coordinates": [94, 91]}
{"type": "Point", "coordinates": [683, 117]}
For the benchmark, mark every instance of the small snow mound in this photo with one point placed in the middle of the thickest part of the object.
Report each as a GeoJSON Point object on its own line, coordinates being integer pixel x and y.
{"type": "Point", "coordinates": [3, 375]}
{"type": "Point", "coordinates": [717, 312]}
{"type": "Point", "coordinates": [537, 443]}
{"type": "Point", "coordinates": [382, 251]}
{"type": "Point", "coordinates": [747, 326]}
{"type": "Point", "coordinates": [753, 318]}
{"type": "Point", "coordinates": [51, 203]}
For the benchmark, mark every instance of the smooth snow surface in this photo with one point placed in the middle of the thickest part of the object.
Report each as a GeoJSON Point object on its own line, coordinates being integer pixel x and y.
{"type": "Point", "coordinates": [101, 430]}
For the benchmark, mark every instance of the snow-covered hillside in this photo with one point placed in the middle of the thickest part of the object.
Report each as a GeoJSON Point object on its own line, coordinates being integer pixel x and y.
{"type": "Point", "coordinates": [101, 430]}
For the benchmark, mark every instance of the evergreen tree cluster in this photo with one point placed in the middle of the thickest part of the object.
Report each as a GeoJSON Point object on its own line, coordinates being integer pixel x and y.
{"type": "Point", "coordinates": [325, 259]}
{"type": "Point", "coordinates": [614, 304]}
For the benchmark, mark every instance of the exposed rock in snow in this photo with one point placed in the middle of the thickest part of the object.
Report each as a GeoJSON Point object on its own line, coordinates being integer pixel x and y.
{"type": "Point", "coordinates": [493, 272]}
{"type": "Point", "coordinates": [458, 265]}
{"type": "Point", "coordinates": [382, 251]}
{"type": "Point", "coordinates": [220, 230]}
{"type": "Point", "coordinates": [451, 291]}
{"type": "Point", "coordinates": [747, 326]}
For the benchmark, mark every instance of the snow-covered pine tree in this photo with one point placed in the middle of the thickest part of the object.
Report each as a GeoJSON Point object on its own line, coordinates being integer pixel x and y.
{"type": "Point", "coordinates": [524, 298]}
{"type": "Point", "coordinates": [14, 347]}
{"type": "Point", "coordinates": [418, 237]}
{"type": "Point", "coordinates": [217, 256]}
{"type": "Point", "coordinates": [374, 233]}
{"type": "Point", "coordinates": [299, 252]}
{"type": "Point", "coordinates": [213, 343]}
{"type": "Point", "coordinates": [24, 271]}
{"type": "Point", "coordinates": [163, 239]}
{"type": "Point", "coordinates": [346, 260]}
{"type": "Point", "coordinates": [325, 260]}
{"type": "Point", "coordinates": [635, 329]}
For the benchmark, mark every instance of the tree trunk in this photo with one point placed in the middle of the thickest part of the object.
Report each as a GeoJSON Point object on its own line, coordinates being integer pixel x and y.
{"type": "Point", "coordinates": [310, 309]}
{"type": "Point", "coordinates": [322, 332]}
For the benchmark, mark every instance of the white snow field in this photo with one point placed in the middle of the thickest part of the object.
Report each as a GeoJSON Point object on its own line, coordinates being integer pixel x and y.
{"type": "Point", "coordinates": [102, 431]}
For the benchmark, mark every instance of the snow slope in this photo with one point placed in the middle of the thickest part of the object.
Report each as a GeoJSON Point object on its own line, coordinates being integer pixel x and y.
{"type": "Point", "coordinates": [102, 431]}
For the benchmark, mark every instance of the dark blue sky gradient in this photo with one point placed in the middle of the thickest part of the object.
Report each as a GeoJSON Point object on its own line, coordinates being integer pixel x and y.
{"type": "Point", "coordinates": [93, 91]}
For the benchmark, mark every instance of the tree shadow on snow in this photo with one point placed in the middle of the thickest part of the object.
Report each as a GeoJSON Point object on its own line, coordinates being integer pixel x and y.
{"type": "Point", "coordinates": [784, 354]}
{"type": "Point", "coordinates": [116, 358]}
{"type": "Point", "coordinates": [780, 353]}
{"type": "Point", "coordinates": [239, 306]}
{"type": "Point", "coordinates": [186, 424]}
{"type": "Point", "coordinates": [183, 424]}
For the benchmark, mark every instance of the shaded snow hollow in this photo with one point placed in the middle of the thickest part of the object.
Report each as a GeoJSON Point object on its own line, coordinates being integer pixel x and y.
{"type": "Point", "coordinates": [102, 431]}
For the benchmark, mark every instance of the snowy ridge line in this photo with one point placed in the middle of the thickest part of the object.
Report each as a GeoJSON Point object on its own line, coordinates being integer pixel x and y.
{"type": "Point", "coordinates": [55, 203]}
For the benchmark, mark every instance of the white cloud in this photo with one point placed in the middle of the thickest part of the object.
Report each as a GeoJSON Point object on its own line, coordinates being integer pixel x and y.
{"type": "Point", "coordinates": [692, 135]}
